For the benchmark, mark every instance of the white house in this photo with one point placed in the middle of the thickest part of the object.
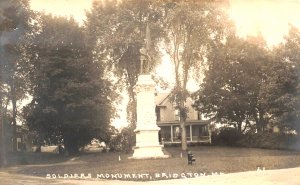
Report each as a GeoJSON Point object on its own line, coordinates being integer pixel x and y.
{"type": "Point", "coordinates": [197, 129]}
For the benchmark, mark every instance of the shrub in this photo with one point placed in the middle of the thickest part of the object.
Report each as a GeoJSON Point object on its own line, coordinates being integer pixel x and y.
{"type": "Point", "coordinates": [123, 141]}
{"type": "Point", "coordinates": [215, 138]}
{"type": "Point", "coordinates": [23, 161]}
{"type": "Point", "coordinates": [231, 137]}
{"type": "Point", "coordinates": [227, 136]}
{"type": "Point", "coordinates": [270, 140]}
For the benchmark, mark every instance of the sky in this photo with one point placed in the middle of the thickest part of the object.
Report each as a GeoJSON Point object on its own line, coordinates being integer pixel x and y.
{"type": "Point", "coordinates": [270, 18]}
{"type": "Point", "coordinates": [75, 8]}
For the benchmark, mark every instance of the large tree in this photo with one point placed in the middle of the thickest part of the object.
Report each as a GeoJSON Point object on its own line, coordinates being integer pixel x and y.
{"type": "Point", "coordinates": [282, 92]}
{"type": "Point", "coordinates": [230, 92]}
{"type": "Point", "coordinates": [14, 30]}
{"type": "Point", "coordinates": [72, 102]}
{"type": "Point", "coordinates": [191, 27]}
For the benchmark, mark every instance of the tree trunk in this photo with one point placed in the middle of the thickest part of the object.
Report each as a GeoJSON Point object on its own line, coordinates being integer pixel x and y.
{"type": "Point", "coordinates": [247, 125]}
{"type": "Point", "coordinates": [260, 122]}
{"type": "Point", "coordinates": [183, 136]}
{"type": "Point", "coordinates": [239, 127]}
{"type": "Point", "coordinates": [259, 127]}
{"type": "Point", "coordinates": [14, 118]}
{"type": "Point", "coordinates": [3, 146]}
{"type": "Point", "coordinates": [257, 123]}
{"type": "Point", "coordinates": [131, 108]}
{"type": "Point", "coordinates": [182, 125]}
{"type": "Point", "coordinates": [70, 147]}
{"type": "Point", "coordinates": [3, 158]}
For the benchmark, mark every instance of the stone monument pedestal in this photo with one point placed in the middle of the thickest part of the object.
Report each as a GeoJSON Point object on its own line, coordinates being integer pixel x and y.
{"type": "Point", "coordinates": [147, 144]}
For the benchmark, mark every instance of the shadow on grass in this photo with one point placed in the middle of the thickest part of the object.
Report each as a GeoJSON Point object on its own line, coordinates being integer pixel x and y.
{"type": "Point", "coordinates": [31, 158]}
{"type": "Point", "coordinates": [209, 159]}
{"type": "Point", "coordinates": [225, 151]}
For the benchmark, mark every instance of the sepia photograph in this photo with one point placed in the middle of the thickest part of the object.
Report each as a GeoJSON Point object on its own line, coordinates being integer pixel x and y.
{"type": "Point", "coordinates": [199, 92]}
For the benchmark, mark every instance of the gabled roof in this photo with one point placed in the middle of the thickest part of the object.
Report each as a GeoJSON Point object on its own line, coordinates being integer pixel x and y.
{"type": "Point", "coordinates": [160, 98]}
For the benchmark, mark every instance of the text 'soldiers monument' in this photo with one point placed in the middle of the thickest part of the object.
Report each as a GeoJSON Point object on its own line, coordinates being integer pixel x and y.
{"type": "Point", "coordinates": [147, 143]}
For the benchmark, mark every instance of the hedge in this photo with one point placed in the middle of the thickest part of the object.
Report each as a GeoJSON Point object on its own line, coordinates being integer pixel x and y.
{"type": "Point", "coordinates": [231, 137]}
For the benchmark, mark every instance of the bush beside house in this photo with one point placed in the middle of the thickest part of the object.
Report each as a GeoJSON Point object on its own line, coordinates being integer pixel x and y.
{"type": "Point", "coordinates": [228, 136]}
{"type": "Point", "coordinates": [270, 141]}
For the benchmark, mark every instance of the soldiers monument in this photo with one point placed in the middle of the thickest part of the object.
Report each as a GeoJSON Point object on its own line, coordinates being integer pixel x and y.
{"type": "Point", "coordinates": [147, 144]}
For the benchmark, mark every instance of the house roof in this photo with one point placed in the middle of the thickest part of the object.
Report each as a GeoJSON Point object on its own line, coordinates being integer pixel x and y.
{"type": "Point", "coordinates": [160, 98]}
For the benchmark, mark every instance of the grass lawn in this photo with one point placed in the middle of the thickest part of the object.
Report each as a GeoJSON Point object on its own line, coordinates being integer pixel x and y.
{"type": "Point", "coordinates": [209, 159]}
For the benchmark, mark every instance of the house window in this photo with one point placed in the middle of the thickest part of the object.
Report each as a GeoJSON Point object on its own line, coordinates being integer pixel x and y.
{"type": "Point", "coordinates": [187, 131]}
{"type": "Point", "coordinates": [199, 116]}
{"type": "Point", "coordinates": [176, 113]}
{"type": "Point", "coordinates": [19, 144]}
{"type": "Point", "coordinates": [203, 130]}
{"type": "Point", "coordinates": [176, 133]}
{"type": "Point", "coordinates": [157, 111]}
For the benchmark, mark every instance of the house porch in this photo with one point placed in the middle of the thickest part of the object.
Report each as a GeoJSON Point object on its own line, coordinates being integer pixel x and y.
{"type": "Point", "coordinates": [196, 132]}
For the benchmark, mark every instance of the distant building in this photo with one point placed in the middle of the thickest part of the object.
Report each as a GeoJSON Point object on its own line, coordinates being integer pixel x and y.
{"type": "Point", "coordinates": [197, 129]}
{"type": "Point", "coordinates": [23, 137]}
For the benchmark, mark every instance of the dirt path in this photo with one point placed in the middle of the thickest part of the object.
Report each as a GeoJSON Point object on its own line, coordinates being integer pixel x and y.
{"type": "Point", "coordinates": [270, 177]}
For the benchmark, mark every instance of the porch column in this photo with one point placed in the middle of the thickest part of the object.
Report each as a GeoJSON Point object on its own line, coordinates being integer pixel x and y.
{"type": "Point", "coordinates": [209, 134]}
{"type": "Point", "coordinates": [171, 133]}
{"type": "Point", "coordinates": [191, 133]}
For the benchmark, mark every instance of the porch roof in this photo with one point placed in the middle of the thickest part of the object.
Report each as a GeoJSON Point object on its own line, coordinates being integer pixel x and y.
{"type": "Point", "coordinates": [188, 122]}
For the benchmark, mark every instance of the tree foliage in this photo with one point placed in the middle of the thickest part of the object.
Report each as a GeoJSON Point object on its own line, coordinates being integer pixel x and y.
{"type": "Point", "coordinates": [72, 102]}
{"type": "Point", "coordinates": [117, 31]}
{"type": "Point", "coordinates": [245, 82]}
{"type": "Point", "coordinates": [230, 92]}
{"type": "Point", "coordinates": [282, 94]}
{"type": "Point", "coordinates": [191, 27]}
{"type": "Point", "coordinates": [15, 27]}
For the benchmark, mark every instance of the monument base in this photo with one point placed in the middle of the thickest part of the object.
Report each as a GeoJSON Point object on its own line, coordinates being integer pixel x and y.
{"type": "Point", "coordinates": [148, 152]}
{"type": "Point", "coordinates": [147, 146]}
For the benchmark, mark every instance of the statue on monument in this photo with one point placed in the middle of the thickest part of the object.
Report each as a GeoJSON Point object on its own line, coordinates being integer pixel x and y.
{"type": "Point", "coordinates": [144, 54]}
{"type": "Point", "coordinates": [146, 132]}
{"type": "Point", "coordinates": [144, 58]}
